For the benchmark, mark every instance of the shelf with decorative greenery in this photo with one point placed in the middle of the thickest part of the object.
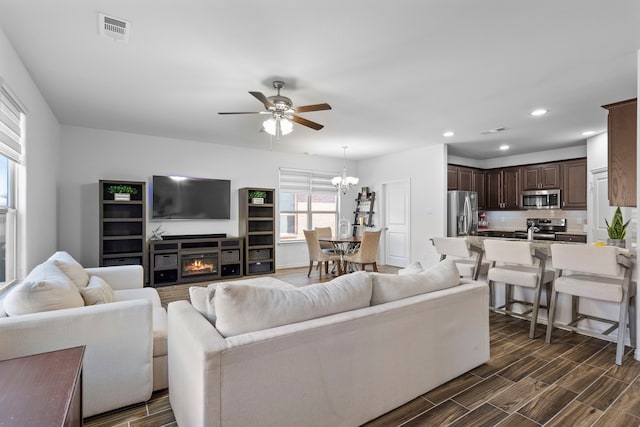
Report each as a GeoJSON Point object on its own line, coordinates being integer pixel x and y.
{"type": "Point", "coordinates": [257, 227]}
{"type": "Point", "coordinates": [122, 223]}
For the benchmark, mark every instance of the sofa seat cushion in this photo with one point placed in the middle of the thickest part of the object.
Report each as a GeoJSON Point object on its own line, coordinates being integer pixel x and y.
{"type": "Point", "coordinates": [202, 298]}
{"type": "Point", "coordinates": [245, 308]}
{"type": "Point", "coordinates": [392, 287]}
{"type": "Point", "coordinates": [138, 293]}
{"type": "Point", "coordinates": [71, 268]}
{"type": "Point", "coordinates": [159, 331]}
{"type": "Point", "coordinates": [45, 288]}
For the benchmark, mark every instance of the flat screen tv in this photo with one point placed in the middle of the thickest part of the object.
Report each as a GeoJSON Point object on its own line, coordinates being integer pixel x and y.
{"type": "Point", "coordinates": [178, 197]}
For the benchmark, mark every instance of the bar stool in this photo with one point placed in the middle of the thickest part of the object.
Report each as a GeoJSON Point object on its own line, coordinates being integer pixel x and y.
{"type": "Point", "coordinates": [599, 273]}
{"type": "Point", "coordinates": [519, 265]}
{"type": "Point", "coordinates": [466, 255]}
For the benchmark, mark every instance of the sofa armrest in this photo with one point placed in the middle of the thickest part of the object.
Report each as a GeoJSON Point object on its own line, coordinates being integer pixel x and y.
{"type": "Point", "coordinates": [194, 348]}
{"type": "Point", "coordinates": [121, 276]}
{"type": "Point", "coordinates": [117, 369]}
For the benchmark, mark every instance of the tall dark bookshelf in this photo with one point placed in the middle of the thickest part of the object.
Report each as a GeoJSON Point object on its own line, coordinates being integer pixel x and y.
{"type": "Point", "coordinates": [122, 226]}
{"type": "Point", "coordinates": [257, 226]}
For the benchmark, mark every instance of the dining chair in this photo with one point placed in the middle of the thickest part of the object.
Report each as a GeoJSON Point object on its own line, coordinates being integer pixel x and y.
{"type": "Point", "coordinates": [317, 255]}
{"type": "Point", "coordinates": [367, 253]}
{"type": "Point", "coordinates": [325, 232]}
{"type": "Point", "coordinates": [466, 255]}
{"type": "Point", "coordinates": [599, 273]}
{"type": "Point", "coordinates": [517, 264]}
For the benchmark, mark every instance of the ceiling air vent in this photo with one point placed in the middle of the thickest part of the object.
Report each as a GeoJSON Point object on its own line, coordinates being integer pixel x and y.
{"type": "Point", "coordinates": [114, 28]}
{"type": "Point", "coordinates": [490, 131]}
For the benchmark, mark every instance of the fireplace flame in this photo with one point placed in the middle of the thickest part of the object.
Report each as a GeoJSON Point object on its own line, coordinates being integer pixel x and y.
{"type": "Point", "coordinates": [198, 266]}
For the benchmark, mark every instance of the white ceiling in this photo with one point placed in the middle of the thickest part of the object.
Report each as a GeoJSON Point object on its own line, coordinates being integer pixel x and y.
{"type": "Point", "coordinates": [397, 73]}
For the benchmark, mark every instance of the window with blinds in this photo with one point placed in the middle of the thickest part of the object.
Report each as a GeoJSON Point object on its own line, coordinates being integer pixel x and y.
{"type": "Point", "coordinates": [307, 200]}
{"type": "Point", "coordinates": [12, 122]}
{"type": "Point", "coordinates": [11, 125]}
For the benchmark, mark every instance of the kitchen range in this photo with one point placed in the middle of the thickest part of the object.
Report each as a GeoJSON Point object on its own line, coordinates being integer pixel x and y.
{"type": "Point", "coordinates": [542, 228]}
{"type": "Point", "coordinates": [536, 229]}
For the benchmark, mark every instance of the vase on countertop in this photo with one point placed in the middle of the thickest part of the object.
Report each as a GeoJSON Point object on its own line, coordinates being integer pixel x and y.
{"type": "Point", "coordinates": [621, 243]}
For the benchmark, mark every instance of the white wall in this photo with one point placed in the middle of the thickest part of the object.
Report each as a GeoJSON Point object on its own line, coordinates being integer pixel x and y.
{"type": "Point", "coordinates": [37, 200]}
{"type": "Point", "coordinates": [89, 155]}
{"type": "Point", "coordinates": [426, 168]}
{"type": "Point", "coordinates": [523, 159]}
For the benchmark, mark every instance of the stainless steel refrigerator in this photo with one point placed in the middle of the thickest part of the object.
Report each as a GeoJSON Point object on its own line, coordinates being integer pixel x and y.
{"type": "Point", "coordinates": [462, 213]}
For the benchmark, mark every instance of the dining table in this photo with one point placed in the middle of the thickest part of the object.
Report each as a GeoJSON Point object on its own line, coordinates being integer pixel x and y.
{"type": "Point", "coordinates": [343, 246]}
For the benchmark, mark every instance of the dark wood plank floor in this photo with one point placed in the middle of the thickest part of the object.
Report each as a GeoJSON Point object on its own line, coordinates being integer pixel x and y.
{"type": "Point", "coordinates": [571, 382]}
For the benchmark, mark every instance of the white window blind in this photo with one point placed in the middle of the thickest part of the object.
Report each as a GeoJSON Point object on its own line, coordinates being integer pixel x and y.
{"type": "Point", "coordinates": [11, 125]}
{"type": "Point", "coordinates": [306, 181]}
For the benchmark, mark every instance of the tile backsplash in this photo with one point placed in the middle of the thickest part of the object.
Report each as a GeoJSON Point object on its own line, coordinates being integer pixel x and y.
{"type": "Point", "coordinates": [517, 220]}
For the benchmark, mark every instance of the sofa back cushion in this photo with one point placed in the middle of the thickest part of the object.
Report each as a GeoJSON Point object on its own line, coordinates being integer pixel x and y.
{"type": "Point", "coordinates": [71, 268]}
{"type": "Point", "coordinates": [202, 298]}
{"type": "Point", "coordinates": [246, 308]}
{"type": "Point", "coordinates": [391, 287]}
{"type": "Point", "coordinates": [46, 288]}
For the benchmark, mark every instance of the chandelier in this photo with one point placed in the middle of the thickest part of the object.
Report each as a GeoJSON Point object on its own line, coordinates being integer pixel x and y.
{"type": "Point", "coordinates": [344, 183]}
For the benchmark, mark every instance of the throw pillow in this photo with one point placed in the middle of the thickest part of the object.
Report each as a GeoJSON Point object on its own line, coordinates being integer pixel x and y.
{"type": "Point", "coordinates": [71, 268]}
{"type": "Point", "coordinates": [97, 292]}
{"type": "Point", "coordinates": [391, 287]}
{"type": "Point", "coordinates": [46, 288]}
{"type": "Point", "coordinates": [413, 268]}
{"type": "Point", "coordinates": [245, 308]}
{"type": "Point", "coordinates": [202, 299]}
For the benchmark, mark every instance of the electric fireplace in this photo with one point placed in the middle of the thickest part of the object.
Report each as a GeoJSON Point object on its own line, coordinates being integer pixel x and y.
{"type": "Point", "coordinates": [199, 264]}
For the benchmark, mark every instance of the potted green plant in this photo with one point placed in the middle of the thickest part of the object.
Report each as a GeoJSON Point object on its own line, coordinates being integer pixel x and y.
{"type": "Point", "coordinates": [617, 229]}
{"type": "Point", "coordinates": [122, 192]}
{"type": "Point", "coordinates": [257, 197]}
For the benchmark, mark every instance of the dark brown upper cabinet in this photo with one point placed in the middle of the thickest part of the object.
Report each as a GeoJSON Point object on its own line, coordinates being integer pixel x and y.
{"type": "Point", "coordinates": [541, 176]}
{"type": "Point", "coordinates": [622, 131]}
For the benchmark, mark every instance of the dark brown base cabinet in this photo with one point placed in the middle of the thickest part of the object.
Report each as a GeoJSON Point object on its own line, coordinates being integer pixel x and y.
{"type": "Point", "coordinates": [176, 261]}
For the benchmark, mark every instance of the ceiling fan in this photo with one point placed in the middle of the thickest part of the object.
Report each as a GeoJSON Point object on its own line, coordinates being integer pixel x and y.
{"type": "Point", "coordinates": [283, 112]}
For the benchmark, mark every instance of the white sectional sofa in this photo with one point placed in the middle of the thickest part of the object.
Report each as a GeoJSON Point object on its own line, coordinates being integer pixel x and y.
{"type": "Point", "coordinates": [342, 369]}
{"type": "Point", "coordinates": [126, 340]}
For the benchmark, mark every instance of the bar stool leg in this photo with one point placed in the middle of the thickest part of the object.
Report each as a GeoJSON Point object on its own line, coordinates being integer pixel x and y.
{"type": "Point", "coordinates": [551, 314]}
{"type": "Point", "coordinates": [534, 314]}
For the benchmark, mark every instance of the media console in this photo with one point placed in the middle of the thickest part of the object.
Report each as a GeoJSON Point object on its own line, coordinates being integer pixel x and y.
{"type": "Point", "coordinates": [187, 259]}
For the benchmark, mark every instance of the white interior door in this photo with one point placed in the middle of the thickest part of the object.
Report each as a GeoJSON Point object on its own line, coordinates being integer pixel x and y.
{"type": "Point", "coordinates": [397, 245]}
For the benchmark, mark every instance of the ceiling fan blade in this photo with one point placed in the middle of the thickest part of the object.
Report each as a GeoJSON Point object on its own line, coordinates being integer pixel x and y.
{"type": "Point", "coordinates": [315, 107]}
{"type": "Point", "coordinates": [260, 97]}
{"type": "Point", "coordinates": [245, 112]}
{"type": "Point", "coordinates": [305, 122]}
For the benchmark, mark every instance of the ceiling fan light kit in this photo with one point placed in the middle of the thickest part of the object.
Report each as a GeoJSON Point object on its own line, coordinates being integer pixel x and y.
{"type": "Point", "coordinates": [283, 112]}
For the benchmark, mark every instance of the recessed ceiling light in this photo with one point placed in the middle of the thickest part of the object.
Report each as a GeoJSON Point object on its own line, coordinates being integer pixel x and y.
{"type": "Point", "coordinates": [448, 134]}
{"type": "Point", "coordinates": [588, 133]}
{"type": "Point", "coordinates": [504, 147]}
{"type": "Point", "coordinates": [539, 112]}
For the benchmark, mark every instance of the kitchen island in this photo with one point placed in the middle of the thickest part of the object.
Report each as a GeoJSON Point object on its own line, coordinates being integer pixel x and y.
{"type": "Point", "coordinates": [601, 309]}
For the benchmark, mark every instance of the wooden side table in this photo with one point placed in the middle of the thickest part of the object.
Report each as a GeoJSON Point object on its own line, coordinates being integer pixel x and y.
{"type": "Point", "coordinates": [42, 390]}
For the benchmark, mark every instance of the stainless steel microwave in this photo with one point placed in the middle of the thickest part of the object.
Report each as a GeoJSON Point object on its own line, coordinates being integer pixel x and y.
{"type": "Point", "coordinates": [540, 199]}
